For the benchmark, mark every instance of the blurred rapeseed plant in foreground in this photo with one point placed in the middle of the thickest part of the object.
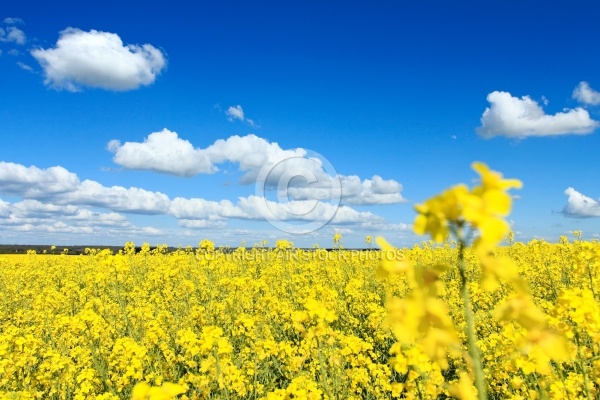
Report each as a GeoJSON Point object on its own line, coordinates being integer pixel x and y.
{"type": "Point", "coordinates": [473, 217]}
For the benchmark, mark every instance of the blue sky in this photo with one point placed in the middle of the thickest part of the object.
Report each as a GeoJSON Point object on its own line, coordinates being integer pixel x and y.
{"type": "Point", "coordinates": [153, 123]}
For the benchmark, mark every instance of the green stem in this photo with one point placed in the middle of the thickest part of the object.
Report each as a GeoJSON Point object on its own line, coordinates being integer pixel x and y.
{"type": "Point", "coordinates": [586, 381]}
{"type": "Point", "coordinates": [470, 328]}
{"type": "Point", "coordinates": [589, 270]}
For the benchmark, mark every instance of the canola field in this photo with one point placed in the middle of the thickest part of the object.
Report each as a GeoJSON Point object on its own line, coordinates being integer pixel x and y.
{"type": "Point", "coordinates": [468, 315]}
{"type": "Point", "coordinates": [283, 322]}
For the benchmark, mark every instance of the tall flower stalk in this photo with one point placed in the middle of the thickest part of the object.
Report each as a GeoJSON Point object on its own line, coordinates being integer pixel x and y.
{"type": "Point", "coordinates": [480, 383]}
{"type": "Point", "coordinates": [480, 210]}
{"type": "Point", "coordinates": [465, 213]}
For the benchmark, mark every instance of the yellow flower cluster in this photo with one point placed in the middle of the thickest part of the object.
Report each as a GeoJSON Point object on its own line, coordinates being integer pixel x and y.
{"type": "Point", "coordinates": [421, 319]}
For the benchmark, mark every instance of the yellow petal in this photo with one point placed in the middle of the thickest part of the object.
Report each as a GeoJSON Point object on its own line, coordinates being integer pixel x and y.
{"type": "Point", "coordinates": [497, 202]}
{"type": "Point", "coordinates": [173, 389]}
{"type": "Point", "coordinates": [140, 391]}
{"type": "Point", "coordinates": [392, 261]}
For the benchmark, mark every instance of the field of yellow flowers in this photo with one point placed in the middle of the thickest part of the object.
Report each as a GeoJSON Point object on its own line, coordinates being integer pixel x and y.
{"type": "Point", "coordinates": [469, 317]}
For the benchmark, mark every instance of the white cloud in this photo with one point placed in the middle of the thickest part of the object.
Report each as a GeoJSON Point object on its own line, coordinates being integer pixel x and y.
{"type": "Point", "coordinates": [35, 209]}
{"type": "Point", "coordinates": [201, 209]}
{"type": "Point", "coordinates": [116, 198]}
{"type": "Point", "coordinates": [24, 66]}
{"type": "Point", "coordinates": [13, 34]}
{"type": "Point", "coordinates": [32, 182]}
{"type": "Point", "coordinates": [580, 206]}
{"type": "Point", "coordinates": [349, 216]}
{"type": "Point", "coordinates": [354, 191]}
{"type": "Point", "coordinates": [85, 216]}
{"type": "Point", "coordinates": [255, 208]}
{"type": "Point", "coordinates": [585, 94]}
{"type": "Point", "coordinates": [253, 154]}
{"type": "Point", "coordinates": [162, 152]}
{"type": "Point", "coordinates": [100, 60]}
{"type": "Point", "coordinates": [59, 186]}
{"type": "Point", "coordinates": [34, 213]}
{"type": "Point", "coordinates": [13, 21]}
{"type": "Point", "coordinates": [370, 191]}
{"type": "Point", "coordinates": [49, 231]}
{"type": "Point", "coordinates": [522, 117]}
{"type": "Point", "coordinates": [150, 230]}
{"type": "Point", "coordinates": [56, 227]}
{"type": "Point", "coordinates": [32, 221]}
{"type": "Point", "coordinates": [4, 208]}
{"type": "Point", "coordinates": [237, 112]}
{"type": "Point", "coordinates": [54, 200]}
{"type": "Point", "coordinates": [201, 224]}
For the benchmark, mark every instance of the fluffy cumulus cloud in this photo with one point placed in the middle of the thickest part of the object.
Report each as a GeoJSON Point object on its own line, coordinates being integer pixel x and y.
{"type": "Point", "coordinates": [255, 208]}
{"type": "Point", "coordinates": [298, 173]}
{"type": "Point", "coordinates": [586, 95]}
{"type": "Point", "coordinates": [162, 152]}
{"type": "Point", "coordinates": [252, 154]}
{"type": "Point", "coordinates": [370, 191]}
{"type": "Point", "coordinates": [33, 182]}
{"type": "Point", "coordinates": [354, 191]}
{"type": "Point", "coordinates": [522, 117]}
{"type": "Point", "coordinates": [294, 173]}
{"type": "Point", "coordinates": [99, 60]}
{"type": "Point", "coordinates": [580, 206]}
{"type": "Point", "coordinates": [117, 198]}
{"type": "Point", "coordinates": [36, 209]}
{"type": "Point", "coordinates": [32, 220]}
{"type": "Point", "coordinates": [56, 185]}
{"type": "Point", "coordinates": [97, 218]}
{"type": "Point", "coordinates": [54, 200]}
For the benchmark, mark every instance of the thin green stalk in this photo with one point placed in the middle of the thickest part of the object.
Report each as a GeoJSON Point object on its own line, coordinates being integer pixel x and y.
{"type": "Point", "coordinates": [586, 381]}
{"type": "Point", "coordinates": [559, 370]}
{"type": "Point", "coordinates": [589, 270]}
{"type": "Point", "coordinates": [470, 328]}
{"type": "Point", "coordinates": [554, 291]}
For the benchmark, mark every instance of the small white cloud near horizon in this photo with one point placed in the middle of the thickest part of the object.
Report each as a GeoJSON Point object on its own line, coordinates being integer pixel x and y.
{"type": "Point", "coordinates": [40, 219]}
{"type": "Point", "coordinates": [583, 93]}
{"type": "Point", "coordinates": [580, 206]}
{"type": "Point", "coordinates": [98, 59]}
{"type": "Point", "coordinates": [515, 117]}
{"type": "Point", "coordinates": [237, 112]}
